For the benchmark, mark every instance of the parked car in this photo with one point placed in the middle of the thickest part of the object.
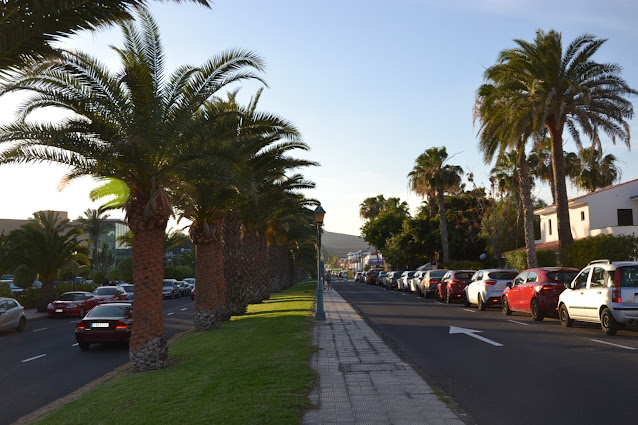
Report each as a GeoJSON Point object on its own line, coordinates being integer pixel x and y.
{"type": "Point", "coordinates": [416, 281]}
{"type": "Point", "coordinates": [190, 281]}
{"type": "Point", "coordinates": [392, 279]}
{"type": "Point", "coordinates": [604, 292]}
{"type": "Point", "coordinates": [106, 323]}
{"type": "Point", "coordinates": [193, 294]}
{"type": "Point", "coordinates": [170, 288]}
{"type": "Point", "coordinates": [106, 294]}
{"type": "Point", "coordinates": [404, 280]}
{"type": "Point", "coordinates": [372, 276]}
{"type": "Point", "coordinates": [430, 282]}
{"type": "Point", "coordinates": [357, 276]}
{"type": "Point", "coordinates": [184, 288]}
{"type": "Point", "coordinates": [130, 291]}
{"type": "Point", "coordinates": [536, 291]}
{"type": "Point", "coordinates": [12, 315]}
{"type": "Point", "coordinates": [15, 290]}
{"type": "Point", "coordinates": [486, 287]}
{"type": "Point", "coordinates": [75, 303]}
{"type": "Point", "coordinates": [381, 278]}
{"type": "Point", "coordinates": [453, 284]}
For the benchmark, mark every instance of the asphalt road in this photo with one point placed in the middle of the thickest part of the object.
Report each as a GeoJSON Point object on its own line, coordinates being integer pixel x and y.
{"type": "Point", "coordinates": [512, 370]}
{"type": "Point", "coordinates": [44, 363]}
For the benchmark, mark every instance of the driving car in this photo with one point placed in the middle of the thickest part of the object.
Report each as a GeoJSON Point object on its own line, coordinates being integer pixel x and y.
{"type": "Point", "coordinates": [12, 315]}
{"type": "Point", "coordinates": [604, 292]}
{"type": "Point", "coordinates": [110, 293]}
{"type": "Point", "coordinates": [486, 287]}
{"type": "Point", "coordinates": [106, 323]}
{"type": "Point", "coordinates": [430, 282]}
{"type": "Point", "coordinates": [453, 284]}
{"type": "Point", "coordinates": [170, 288]}
{"type": "Point", "coordinates": [536, 291]}
{"type": "Point", "coordinates": [75, 303]}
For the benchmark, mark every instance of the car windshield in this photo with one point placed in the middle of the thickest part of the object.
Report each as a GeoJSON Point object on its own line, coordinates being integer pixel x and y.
{"type": "Point", "coordinates": [128, 288]}
{"type": "Point", "coordinates": [114, 311]}
{"type": "Point", "coordinates": [562, 277]}
{"type": "Point", "coordinates": [69, 296]}
{"type": "Point", "coordinates": [104, 291]}
{"type": "Point", "coordinates": [502, 275]}
{"type": "Point", "coordinates": [463, 275]}
{"type": "Point", "coordinates": [629, 276]}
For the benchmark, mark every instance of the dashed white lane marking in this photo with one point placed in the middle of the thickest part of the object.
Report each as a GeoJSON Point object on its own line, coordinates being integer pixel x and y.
{"type": "Point", "coordinates": [38, 330]}
{"type": "Point", "coordinates": [75, 345]}
{"type": "Point", "coordinates": [33, 358]}
{"type": "Point", "coordinates": [615, 345]}
{"type": "Point", "coordinates": [75, 321]}
{"type": "Point", "coordinates": [520, 323]}
{"type": "Point", "coordinates": [169, 314]}
{"type": "Point", "coordinates": [471, 311]}
{"type": "Point", "coordinates": [184, 309]}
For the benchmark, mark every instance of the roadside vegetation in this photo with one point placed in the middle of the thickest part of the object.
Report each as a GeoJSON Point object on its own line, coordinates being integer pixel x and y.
{"type": "Point", "coordinates": [254, 370]}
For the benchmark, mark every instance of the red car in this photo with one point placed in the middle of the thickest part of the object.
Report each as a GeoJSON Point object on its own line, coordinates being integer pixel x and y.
{"type": "Point", "coordinates": [193, 293]}
{"type": "Point", "coordinates": [536, 291]}
{"type": "Point", "coordinates": [106, 323]}
{"type": "Point", "coordinates": [453, 284]}
{"type": "Point", "coordinates": [106, 294]}
{"type": "Point", "coordinates": [72, 304]}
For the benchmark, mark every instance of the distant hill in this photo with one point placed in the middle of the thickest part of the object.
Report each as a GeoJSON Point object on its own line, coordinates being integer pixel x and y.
{"type": "Point", "coordinates": [340, 244]}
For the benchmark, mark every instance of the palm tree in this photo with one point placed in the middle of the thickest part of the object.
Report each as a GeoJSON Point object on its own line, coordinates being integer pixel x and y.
{"type": "Point", "coordinates": [371, 207]}
{"type": "Point", "coordinates": [565, 88]}
{"type": "Point", "coordinates": [130, 126]}
{"type": "Point", "coordinates": [30, 26]}
{"type": "Point", "coordinates": [93, 224]}
{"type": "Point", "coordinates": [430, 175]}
{"type": "Point", "coordinates": [45, 244]}
{"type": "Point", "coordinates": [595, 171]}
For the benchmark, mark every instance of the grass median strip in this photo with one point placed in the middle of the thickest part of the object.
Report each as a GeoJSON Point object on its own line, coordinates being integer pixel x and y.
{"type": "Point", "coordinates": [255, 369]}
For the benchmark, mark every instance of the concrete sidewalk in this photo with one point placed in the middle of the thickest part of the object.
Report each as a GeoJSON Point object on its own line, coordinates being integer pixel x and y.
{"type": "Point", "coordinates": [362, 381]}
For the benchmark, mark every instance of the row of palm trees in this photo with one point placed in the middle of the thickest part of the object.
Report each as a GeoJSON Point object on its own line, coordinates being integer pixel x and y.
{"type": "Point", "coordinates": [170, 145]}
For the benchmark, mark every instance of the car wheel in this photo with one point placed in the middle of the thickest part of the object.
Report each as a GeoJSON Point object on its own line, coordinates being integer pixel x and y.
{"type": "Point", "coordinates": [82, 312]}
{"type": "Point", "coordinates": [537, 313]}
{"type": "Point", "coordinates": [480, 303]}
{"type": "Point", "coordinates": [505, 307]}
{"type": "Point", "coordinates": [22, 324]}
{"type": "Point", "coordinates": [608, 323]}
{"type": "Point", "coordinates": [466, 301]}
{"type": "Point", "coordinates": [84, 346]}
{"type": "Point", "coordinates": [563, 315]}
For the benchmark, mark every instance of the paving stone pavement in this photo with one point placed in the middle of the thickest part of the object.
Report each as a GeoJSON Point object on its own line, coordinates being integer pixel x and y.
{"type": "Point", "coordinates": [362, 381]}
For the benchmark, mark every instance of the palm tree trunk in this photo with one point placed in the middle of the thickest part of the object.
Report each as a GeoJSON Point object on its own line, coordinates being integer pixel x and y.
{"type": "Point", "coordinates": [565, 237]}
{"type": "Point", "coordinates": [251, 265]}
{"type": "Point", "coordinates": [528, 210]}
{"type": "Point", "coordinates": [443, 223]}
{"type": "Point", "coordinates": [148, 344]}
{"type": "Point", "coordinates": [262, 272]}
{"type": "Point", "coordinates": [211, 285]}
{"type": "Point", "coordinates": [272, 259]}
{"type": "Point", "coordinates": [233, 264]}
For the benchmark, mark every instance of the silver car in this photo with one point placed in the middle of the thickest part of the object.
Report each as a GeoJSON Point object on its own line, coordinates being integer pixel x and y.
{"type": "Point", "coordinates": [12, 315]}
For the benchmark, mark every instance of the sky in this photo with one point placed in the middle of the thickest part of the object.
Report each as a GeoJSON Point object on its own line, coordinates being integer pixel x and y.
{"type": "Point", "coordinates": [370, 84]}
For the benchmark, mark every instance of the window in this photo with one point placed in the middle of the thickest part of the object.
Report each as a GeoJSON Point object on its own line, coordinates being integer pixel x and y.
{"type": "Point", "coordinates": [598, 277]}
{"type": "Point", "coordinates": [533, 277]}
{"type": "Point", "coordinates": [550, 226]}
{"type": "Point", "coordinates": [625, 217]}
{"type": "Point", "coordinates": [581, 279]}
{"type": "Point", "coordinates": [582, 216]}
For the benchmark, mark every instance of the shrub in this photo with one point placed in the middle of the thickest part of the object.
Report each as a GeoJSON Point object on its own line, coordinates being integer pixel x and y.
{"type": "Point", "coordinates": [177, 272]}
{"type": "Point", "coordinates": [113, 275]}
{"type": "Point", "coordinates": [612, 247]}
{"type": "Point", "coordinates": [462, 265]}
{"type": "Point", "coordinates": [29, 297]}
{"type": "Point", "coordinates": [5, 290]}
{"type": "Point", "coordinates": [125, 268]}
{"type": "Point", "coordinates": [98, 277]}
{"type": "Point", "coordinates": [24, 276]}
{"type": "Point", "coordinates": [517, 260]}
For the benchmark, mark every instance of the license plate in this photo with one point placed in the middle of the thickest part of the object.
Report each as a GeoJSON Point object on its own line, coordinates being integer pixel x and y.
{"type": "Point", "coordinates": [58, 310]}
{"type": "Point", "coordinates": [100, 325]}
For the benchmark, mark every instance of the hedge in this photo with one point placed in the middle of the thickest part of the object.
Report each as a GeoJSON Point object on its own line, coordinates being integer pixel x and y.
{"type": "Point", "coordinates": [517, 260]}
{"type": "Point", "coordinates": [610, 247]}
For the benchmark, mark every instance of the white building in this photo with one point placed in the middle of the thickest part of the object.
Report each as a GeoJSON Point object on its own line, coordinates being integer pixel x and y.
{"type": "Point", "coordinates": [612, 210]}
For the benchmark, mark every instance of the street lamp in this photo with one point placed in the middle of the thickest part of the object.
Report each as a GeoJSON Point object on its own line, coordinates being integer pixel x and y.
{"type": "Point", "coordinates": [319, 313]}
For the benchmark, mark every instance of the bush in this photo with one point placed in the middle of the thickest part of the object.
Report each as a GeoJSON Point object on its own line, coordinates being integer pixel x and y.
{"type": "Point", "coordinates": [517, 260]}
{"type": "Point", "coordinates": [29, 297]}
{"type": "Point", "coordinates": [177, 272]}
{"type": "Point", "coordinates": [24, 276]}
{"type": "Point", "coordinates": [125, 268]}
{"type": "Point", "coordinates": [5, 290]}
{"type": "Point", "coordinates": [611, 247]}
{"type": "Point", "coordinates": [462, 265]}
{"type": "Point", "coordinates": [98, 277]}
{"type": "Point", "coordinates": [113, 275]}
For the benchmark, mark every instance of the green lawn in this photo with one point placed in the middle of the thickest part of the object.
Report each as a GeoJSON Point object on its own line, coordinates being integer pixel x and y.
{"type": "Point", "coordinates": [255, 369]}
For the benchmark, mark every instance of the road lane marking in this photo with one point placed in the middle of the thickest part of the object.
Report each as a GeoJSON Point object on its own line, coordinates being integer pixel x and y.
{"type": "Point", "coordinates": [471, 332]}
{"type": "Point", "coordinates": [75, 345]}
{"type": "Point", "coordinates": [184, 309]}
{"type": "Point", "coordinates": [75, 321]}
{"type": "Point", "coordinates": [520, 323]}
{"type": "Point", "coordinates": [471, 311]}
{"type": "Point", "coordinates": [615, 345]}
{"type": "Point", "coordinates": [168, 314]}
{"type": "Point", "coordinates": [33, 358]}
{"type": "Point", "coordinates": [38, 330]}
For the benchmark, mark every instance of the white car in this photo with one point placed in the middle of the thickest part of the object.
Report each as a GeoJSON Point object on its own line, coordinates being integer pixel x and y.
{"type": "Point", "coordinates": [12, 315]}
{"type": "Point", "coordinates": [486, 287]}
{"type": "Point", "coordinates": [604, 292]}
{"type": "Point", "coordinates": [404, 280]}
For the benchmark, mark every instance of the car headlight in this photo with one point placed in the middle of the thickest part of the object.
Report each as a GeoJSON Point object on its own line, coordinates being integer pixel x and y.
{"type": "Point", "coordinates": [50, 305]}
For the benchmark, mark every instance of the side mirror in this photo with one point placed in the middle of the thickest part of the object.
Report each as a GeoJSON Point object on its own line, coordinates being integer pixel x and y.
{"type": "Point", "coordinates": [509, 285]}
{"type": "Point", "coordinates": [568, 285]}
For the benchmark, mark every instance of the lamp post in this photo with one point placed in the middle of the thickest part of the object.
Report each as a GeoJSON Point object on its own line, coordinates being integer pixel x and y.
{"type": "Point", "coordinates": [319, 313]}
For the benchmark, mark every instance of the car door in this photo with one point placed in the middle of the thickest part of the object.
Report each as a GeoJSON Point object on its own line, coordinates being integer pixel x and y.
{"type": "Point", "coordinates": [574, 297]}
{"type": "Point", "coordinates": [528, 291]}
{"type": "Point", "coordinates": [11, 315]}
{"type": "Point", "coordinates": [473, 288]}
{"type": "Point", "coordinates": [595, 293]}
{"type": "Point", "coordinates": [514, 295]}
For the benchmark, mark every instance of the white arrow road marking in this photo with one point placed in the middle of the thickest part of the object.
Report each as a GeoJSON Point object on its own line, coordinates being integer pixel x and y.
{"type": "Point", "coordinates": [471, 332]}
{"type": "Point", "coordinates": [168, 314]}
{"type": "Point", "coordinates": [184, 309]}
{"type": "Point", "coordinates": [38, 330]}
{"type": "Point", "coordinates": [520, 323]}
{"type": "Point", "coordinates": [615, 345]}
{"type": "Point", "coordinates": [33, 358]}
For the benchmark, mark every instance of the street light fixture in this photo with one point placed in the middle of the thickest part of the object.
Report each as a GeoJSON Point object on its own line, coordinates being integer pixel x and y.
{"type": "Point", "coordinates": [319, 313]}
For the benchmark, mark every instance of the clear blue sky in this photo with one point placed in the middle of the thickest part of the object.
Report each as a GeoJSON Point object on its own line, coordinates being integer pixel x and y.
{"type": "Point", "coordinates": [370, 84]}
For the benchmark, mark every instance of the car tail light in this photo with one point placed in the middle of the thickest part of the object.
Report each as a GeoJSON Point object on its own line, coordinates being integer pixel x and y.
{"type": "Point", "coordinates": [121, 325]}
{"type": "Point", "coordinates": [544, 287]}
{"type": "Point", "coordinates": [616, 296]}
{"type": "Point", "coordinates": [490, 282]}
{"type": "Point", "coordinates": [79, 325]}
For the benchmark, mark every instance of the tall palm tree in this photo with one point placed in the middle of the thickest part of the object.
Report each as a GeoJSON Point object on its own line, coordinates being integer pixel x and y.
{"type": "Point", "coordinates": [45, 244]}
{"type": "Point", "coordinates": [595, 171]}
{"type": "Point", "coordinates": [566, 88]}
{"type": "Point", "coordinates": [30, 26]}
{"type": "Point", "coordinates": [371, 207]}
{"type": "Point", "coordinates": [93, 224]}
{"type": "Point", "coordinates": [432, 174]}
{"type": "Point", "coordinates": [128, 125]}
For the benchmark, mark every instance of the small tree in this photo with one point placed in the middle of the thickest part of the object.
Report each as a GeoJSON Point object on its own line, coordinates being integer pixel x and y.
{"type": "Point", "coordinates": [125, 267]}
{"type": "Point", "coordinates": [24, 276]}
{"type": "Point", "coordinates": [114, 275]}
